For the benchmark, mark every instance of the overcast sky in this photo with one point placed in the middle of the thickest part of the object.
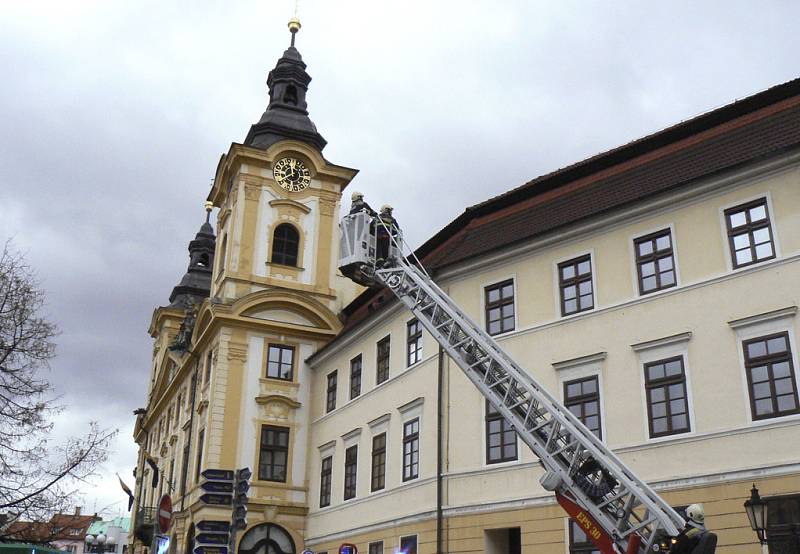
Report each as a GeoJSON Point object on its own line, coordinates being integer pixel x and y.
{"type": "Point", "coordinates": [114, 115]}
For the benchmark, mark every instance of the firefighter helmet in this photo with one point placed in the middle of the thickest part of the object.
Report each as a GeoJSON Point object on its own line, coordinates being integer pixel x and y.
{"type": "Point", "coordinates": [696, 513]}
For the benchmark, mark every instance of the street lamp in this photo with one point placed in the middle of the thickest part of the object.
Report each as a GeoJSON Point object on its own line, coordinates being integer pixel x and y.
{"type": "Point", "coordinates": [756, 509]}
{"type": "Point", "coordinates": [96, 543]}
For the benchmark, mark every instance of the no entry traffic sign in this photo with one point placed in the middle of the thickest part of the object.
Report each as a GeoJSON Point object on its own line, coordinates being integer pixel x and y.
{"type": "Point", "coordinates": [164, 513]}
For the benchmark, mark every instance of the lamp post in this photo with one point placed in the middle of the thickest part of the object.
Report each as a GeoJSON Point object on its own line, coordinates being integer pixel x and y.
{"type": "Point", "coordinates": [96, 543]}
{"type": "Point", "coordinates": [756, 509]}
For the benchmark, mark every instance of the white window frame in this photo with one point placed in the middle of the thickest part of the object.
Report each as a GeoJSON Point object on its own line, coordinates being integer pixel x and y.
{"type": "Point", "coordinates": [635, 269]}
{"type": "Point", "coordinates": [483, 287]}
{"type": "Point", "coordinates": [581, 368]}
{"type": "Point", "coordinates": [761, 325]}
{"type": "Point", "coordinates": [557, 283]}
{"type": "Point", "coordinates": [772, 224]}
{"type": "Point", "coordinates": [660, 349]}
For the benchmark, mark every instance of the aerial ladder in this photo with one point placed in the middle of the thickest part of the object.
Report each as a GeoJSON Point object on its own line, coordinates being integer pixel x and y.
{"type": "Point", "coordinates": [618, 511]}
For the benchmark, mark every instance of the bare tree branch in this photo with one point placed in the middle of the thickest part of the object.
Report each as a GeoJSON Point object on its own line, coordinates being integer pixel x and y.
{"type": "Point", "coordinates": [36, 479]}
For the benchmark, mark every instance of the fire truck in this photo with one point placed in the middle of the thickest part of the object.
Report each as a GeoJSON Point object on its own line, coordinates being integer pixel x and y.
{"type": "Point", "coordinates": [618, 511]}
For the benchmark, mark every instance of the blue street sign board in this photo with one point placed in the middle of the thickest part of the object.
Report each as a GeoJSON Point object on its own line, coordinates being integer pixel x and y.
{"type": "Point", "coordinates": [213, 526]}
{"type": "Point", "coordinates": [211, 550]}
{"type": "Point", "coordinates": [212, 538]}
{"type": "Point", "coordinates": [216, 499]}
{"type": "Point", "coordinates": [218, 474]}
{"type": "Point", "coordinates": [217, 486]}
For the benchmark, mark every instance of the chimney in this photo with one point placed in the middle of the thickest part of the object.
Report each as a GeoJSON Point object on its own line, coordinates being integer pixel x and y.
{"type": "Point", "coordinates": [77, 510]}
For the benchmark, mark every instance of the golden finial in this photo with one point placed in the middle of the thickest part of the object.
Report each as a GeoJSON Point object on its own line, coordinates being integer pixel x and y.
{"type": "Point", "coordinates": [209, 207]}
{"type": "Point", "coordinates": [294, 26]}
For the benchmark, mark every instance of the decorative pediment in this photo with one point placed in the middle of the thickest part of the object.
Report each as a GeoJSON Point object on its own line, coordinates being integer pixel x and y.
{"type": "Point", "coordinates": [276, 407]}
{"type": "Point", "coordinates": [282, 315]}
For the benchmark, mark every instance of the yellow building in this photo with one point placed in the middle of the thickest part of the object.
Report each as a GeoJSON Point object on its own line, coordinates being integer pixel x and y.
{"type": "Point", "coordinates": [653, 288]}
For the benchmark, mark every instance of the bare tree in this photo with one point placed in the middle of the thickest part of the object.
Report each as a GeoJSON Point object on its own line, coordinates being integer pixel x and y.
{"type": "Point", "coordinates": [37, 479]}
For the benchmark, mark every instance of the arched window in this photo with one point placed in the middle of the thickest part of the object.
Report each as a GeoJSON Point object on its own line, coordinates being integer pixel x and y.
{"type": "Point", "coordinates": [190, 540]}
{"type": "Point", "coordinates": [290, 95]}
{"type": "Point", "coordinates": [284, 245]}
{"type": "Point", "coordinates": [267, 538]}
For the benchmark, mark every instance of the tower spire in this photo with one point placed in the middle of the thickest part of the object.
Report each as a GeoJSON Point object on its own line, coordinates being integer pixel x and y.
{"type": "Point", "coordinates": [286, 116]}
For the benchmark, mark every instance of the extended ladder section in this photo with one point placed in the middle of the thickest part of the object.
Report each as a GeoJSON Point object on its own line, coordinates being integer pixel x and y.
{"type": "Point", "coordinates": [578, 465]}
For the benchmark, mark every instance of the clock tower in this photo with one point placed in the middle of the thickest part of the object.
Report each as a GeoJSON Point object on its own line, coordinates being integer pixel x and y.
{"type": "Point", "coordinates": [275, 293]}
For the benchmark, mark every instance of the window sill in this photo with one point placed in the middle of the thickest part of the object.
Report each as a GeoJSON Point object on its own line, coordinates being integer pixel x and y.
{"type": "Point", "coordinates": [284, 266]}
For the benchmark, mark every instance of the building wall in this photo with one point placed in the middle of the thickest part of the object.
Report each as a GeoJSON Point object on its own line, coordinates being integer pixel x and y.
{"type": "Point", "coordinates": [704, 319]}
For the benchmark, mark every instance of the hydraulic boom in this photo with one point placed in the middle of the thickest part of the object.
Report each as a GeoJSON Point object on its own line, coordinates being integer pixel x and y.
{"type": "Point", "coordinates": [617, 510]}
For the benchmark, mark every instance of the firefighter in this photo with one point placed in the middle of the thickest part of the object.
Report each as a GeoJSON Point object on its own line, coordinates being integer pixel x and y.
{"type": "Point", "coordinates": [387, 221]}
{"type": "Point", "coordinates": [358, 205]}
{"type": "Point", "coordinates": [691, 535]}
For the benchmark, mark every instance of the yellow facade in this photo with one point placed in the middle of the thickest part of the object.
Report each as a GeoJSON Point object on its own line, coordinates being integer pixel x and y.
{"type": "Point", "coordinates": [209, 407]}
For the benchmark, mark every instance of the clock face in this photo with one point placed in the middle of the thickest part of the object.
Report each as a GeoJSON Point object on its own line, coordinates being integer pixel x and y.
{"type": "Point", "coordinates": [292, 174]}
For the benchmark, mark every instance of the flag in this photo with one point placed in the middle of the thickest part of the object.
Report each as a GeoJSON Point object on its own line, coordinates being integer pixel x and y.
{"type": "Point", "coordinates": [152, 463]}
{"type": "Point", "coordinates": [127, 491]}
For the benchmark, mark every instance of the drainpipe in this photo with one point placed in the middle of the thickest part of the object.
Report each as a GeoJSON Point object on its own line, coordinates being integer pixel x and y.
{"type": "Point", "coordinates": [439, 454]}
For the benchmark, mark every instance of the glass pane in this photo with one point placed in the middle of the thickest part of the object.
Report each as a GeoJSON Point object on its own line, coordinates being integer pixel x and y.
{"type": "Point", "coordinates": [648, 269]}
{"type": "Point", "coordinates": [592, 422]}
{"type": "Point", "coordinates": [645, 248]}
{"type": "Point", "coordinates": [744, 257]}
{"type": "Point", "coordinates": [761, 390]}
{"type": "Point", "coordinates": [568, 272]}
{"type": "Point", "coordinates": [673, 367]}
{"type": "Point", "coordinates": [508, 310]}
{"type": "Point", "coordinates": [781, 369]}
{"type": "Point", "coordinates": [584, 267]}
{"type": "Point", "coordinates": [659, 426]}
{"type": "Point", "coordinates": [677, 406]}
{"type": "Point", "coordinates": [494, 295]}
{"type": "Point", "coordinates": [737, 219]}
{"type": "Point", "coordinates": [570, 306]}
{"type": "Point", "coordinates": [576, 410]}
{"type": "Point", "coordinates": [756, 349]}
{"type": "Point", "coordinates": [590, 386]}
{"type": "Point", "coordinates": [656, 371]}
{"type": "Point", "coordinates": [786, 403]}
{"type": "Point", "coordinates": [648, 283]}
{"type": "Point", "coordinates": [764, 406]}
{"type": "Point", "coordinates": [662, 243]}
{"type": "Point", "coordinates": [659, 410]}
{"type": "Point", "coordinates": [510, 451]}
{"type": "Point", "coordinates": [495, 453]}
{"type": "Point", "coordinates": [508, 323]}
{"type": "Point", "coordinates": [668, 278]}
{"type": "Point", "coordinates": [676, 391]}
{"type": "Point", "coordinates": [665, 263]}
{"type": "Point", "coordinates": [759, 373]}
{"type": "Point", "coordinates": [577, 533]}
{"type": "Point", "coordinates": [508, 291]}
{"type": "Point", "coordinates": [778, 344]}
{"type": "Point", "coordinates": [573, 389]}
{"type": "Point", "coordinates": [657, 395]}
{"type": "Point", "coordinates": [679, 422]}
{"type": "Point", "coordinates": [758, 213]}
{"type": "Point", "coordinates": [494, 327]}
{"type": "Point", "coordinates": [569, 292]}
{"type": "Point", "coordinates": [784, 386]}
{"type": "Point", "coordinates": [741, 241]}
{"type": "Point", "coordinates": [587, 301]}
{"type": "Point", "coordinates": [761, 235]}
{"type": "Point", "coordinates": [585, 287]}
{"type": "Point", "coordinates": [764, 251]}
{"type": "Point", "coordinates": [590, 408]}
